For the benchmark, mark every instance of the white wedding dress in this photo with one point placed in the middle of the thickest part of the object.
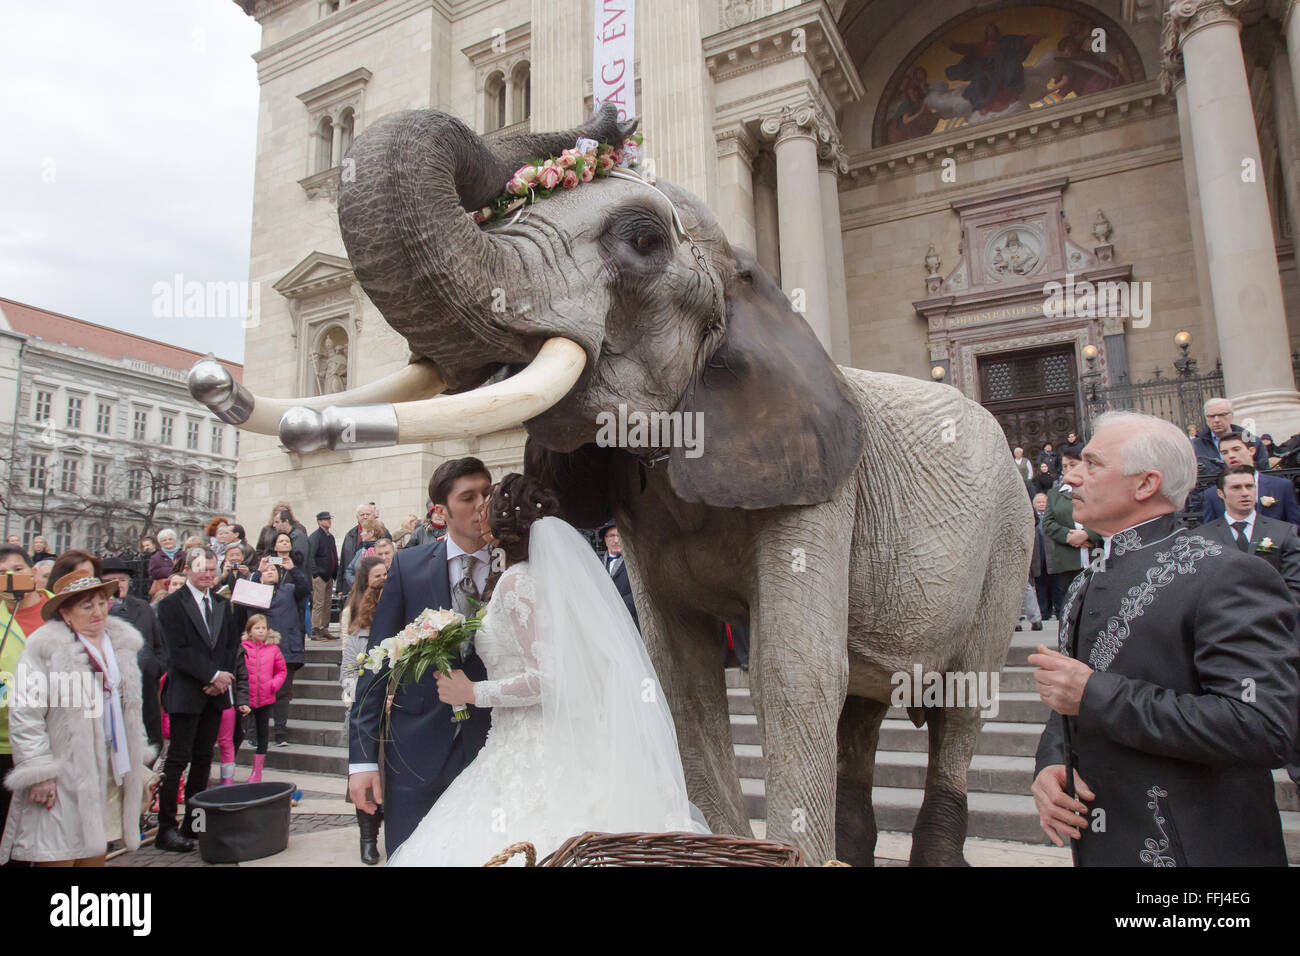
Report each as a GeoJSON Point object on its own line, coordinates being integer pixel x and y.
{"type": "Point", "coordinates": [581, 737]}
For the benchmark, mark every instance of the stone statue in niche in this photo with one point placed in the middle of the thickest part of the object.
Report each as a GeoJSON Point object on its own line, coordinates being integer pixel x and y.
{"type": "Point", "coordinates": [331, 364]}
{"type": "Point", "coordinates": [1011, 257]}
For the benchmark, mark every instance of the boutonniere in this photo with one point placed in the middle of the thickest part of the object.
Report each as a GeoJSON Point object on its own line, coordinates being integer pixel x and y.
{"type": "Point", "coordinates": [1268, 501]}
{"type": "Point", "coordinates": [1265, 546]}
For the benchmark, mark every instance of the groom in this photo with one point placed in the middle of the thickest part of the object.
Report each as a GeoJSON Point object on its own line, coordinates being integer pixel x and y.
{"type": "Point", "coordinates": [424, 749]}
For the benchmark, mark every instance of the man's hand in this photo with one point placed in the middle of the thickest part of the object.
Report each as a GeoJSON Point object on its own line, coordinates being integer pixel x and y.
{"type": "Point", "coordinates": [456, 689]}
{"type": "Point", "coordinates": [361, 786]}
{"type": "Point", "coordinates": [211, 690]}
{"type": "Point", "coordinates": [1060, 680]}
{"type": "Point", "coordinates": [1058, 815]}
{"type": "Point", "coordinates": [222, 681]}
{"type": "Point", "coordinates": [1077, 538]}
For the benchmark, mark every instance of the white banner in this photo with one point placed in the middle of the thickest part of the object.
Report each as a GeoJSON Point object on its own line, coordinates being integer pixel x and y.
{"type": "Point", "coordinates": [612, 56]}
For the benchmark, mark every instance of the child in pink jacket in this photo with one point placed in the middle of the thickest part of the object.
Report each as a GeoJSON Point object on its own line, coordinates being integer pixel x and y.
{"type": "Point", "coordinates": [266, 673]}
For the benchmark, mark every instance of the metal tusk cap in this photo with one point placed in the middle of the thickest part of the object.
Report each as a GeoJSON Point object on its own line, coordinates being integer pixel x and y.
{"type": "Point", "coordinates": [306, 430]}
{"type": "Point", "coordinates": [212, 385]}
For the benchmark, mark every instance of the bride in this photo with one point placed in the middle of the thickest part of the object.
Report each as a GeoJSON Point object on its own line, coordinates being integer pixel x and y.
{"type": "Point", "coordinates": [581, 736]}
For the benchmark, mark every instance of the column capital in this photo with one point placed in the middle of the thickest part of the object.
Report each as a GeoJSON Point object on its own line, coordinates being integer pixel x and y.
{"type": "Point", "coordinates": [832, 156]}
{"type": "Point", "coordinates": [736, 140]}
{"type": "Point", "coordinates": [1182, 19]}
{"type": "Point", "coordinates": [804, 119]}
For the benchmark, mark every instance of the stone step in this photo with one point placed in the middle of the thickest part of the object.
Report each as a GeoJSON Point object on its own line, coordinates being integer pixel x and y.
{"type": "Point", "coordinates": [318, 689]}
{"type": "Point", "coordinates": [318, 652]}
{"type": "Point", "coordinates": [318, 672]}
{"type": "Point", "coordinates": [1017, 680]}
{"type": "Point", "coordinates": [739, 700]}
{"type": "Point", "coordinates": [1012, 707]}
{"type": "Point", "coordinates": [305, 758]}
{"type": "Point", "coordinates": [315, 733]}
{"type": "Point", "coordinates": [736, 677]}
{"type": "Point", "coordinates": [308, 708]}
{"type": "Point", "coordinates": [998, 738]}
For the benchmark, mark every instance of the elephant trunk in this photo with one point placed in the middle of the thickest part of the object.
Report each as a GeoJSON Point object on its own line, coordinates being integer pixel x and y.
{"type": "Point", "coordinates": [406, 186]}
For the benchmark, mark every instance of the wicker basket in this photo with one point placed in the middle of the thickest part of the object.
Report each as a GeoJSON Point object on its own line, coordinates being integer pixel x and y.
{"type": "Point", "coordinates": [662, 849]}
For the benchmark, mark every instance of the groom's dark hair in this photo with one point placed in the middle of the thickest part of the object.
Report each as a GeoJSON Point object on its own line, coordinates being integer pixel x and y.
{"type": "Point", "coordinates": [449, 472]}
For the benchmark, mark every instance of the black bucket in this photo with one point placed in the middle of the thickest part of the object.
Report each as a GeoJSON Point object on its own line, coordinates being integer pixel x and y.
{"type": "Point", "coordinates": [245, 821]}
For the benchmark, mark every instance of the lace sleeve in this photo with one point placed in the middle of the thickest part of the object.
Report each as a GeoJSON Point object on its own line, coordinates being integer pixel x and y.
{"type": "Point", "coordinates": [514, 593]}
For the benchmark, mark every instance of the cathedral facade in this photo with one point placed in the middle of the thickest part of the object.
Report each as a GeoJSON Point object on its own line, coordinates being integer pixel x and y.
{"type": "Point", "coordinates": [1034, 201]}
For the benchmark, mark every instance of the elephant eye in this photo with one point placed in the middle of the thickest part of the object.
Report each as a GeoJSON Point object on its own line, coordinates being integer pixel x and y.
{"type": "Point", "coordinates": [647, 241]}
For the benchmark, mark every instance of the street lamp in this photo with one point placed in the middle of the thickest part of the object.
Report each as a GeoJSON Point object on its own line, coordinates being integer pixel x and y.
{"type": "Point", "coordinates": [1091, 377]}
{"type": "Point", "coordinates": [1186, 365]}
{"type": "Point", "coordinates": [938, 373]}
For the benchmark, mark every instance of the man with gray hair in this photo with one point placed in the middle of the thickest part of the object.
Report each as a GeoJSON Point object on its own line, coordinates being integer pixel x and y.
{"type": "Point", "coordinates": [1175, 687]}
{"type": "Point", "coordinates": [1218, 423]}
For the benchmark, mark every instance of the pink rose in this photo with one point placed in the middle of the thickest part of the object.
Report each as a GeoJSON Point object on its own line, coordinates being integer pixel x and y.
{"type": "Point", "coordinates": [588, 173]}
{"type": "Point", "coordinates": [606, 161]}
{"type": "Point", "coordinates": [567, 159]}
{"type": "Point", "coordinates": [517, 187]}
{"type": "Point", "coordinates": [483, 215]}
{"type": "Point", "coordinates": [548, 177]}
{"type": "Point", "coordinates": [527, 174]}
{"type": "Point", "coordinates": [570, 179]}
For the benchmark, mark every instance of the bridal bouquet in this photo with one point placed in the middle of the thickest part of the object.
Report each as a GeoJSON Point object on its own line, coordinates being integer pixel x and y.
{"type": "Point", "coordinates": [431, 640]}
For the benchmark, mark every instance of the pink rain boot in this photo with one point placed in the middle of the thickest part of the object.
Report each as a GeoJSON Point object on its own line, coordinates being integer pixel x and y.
{"type": "Point", "coordinates": [256, 775]}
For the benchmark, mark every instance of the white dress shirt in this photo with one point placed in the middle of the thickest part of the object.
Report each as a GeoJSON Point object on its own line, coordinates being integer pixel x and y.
{"type": "Point", "coordinates": [479, 571]}
{"type": "Point", "coordinates": [198, 601]}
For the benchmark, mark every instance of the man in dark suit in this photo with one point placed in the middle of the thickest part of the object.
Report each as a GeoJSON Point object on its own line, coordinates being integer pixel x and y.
{"type": "Point", "coordinates": [1248, 529]}
{"type": "Point", "coordinates": [1218, 425]}
{"type": "Point", "coordinates": [1275, 496]}
{"type": "Point", "coordinates": [617, 567]}
{"type": "Point", "coordinates": [1175, 690]}
{"type": "Point", "coordinates": [424, 749]}
{"type": "Point", "coordinates": [324, 569]}
{"type": "Point", "coordinates": [351, 541]}
{"type": "Point", "coordinates": [152, 658]}
{"type": "Point", "coordinates": [201, 638]}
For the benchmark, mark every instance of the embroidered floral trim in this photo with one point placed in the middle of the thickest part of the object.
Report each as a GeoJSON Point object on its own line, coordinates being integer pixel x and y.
{"type": "Point", "coordinates": [1128, 540]}
{"type": "Point", "coordinates": [1154, 852]}
{"type": "Point", "coordinates": [1180, 559]}
{"type": "Point", "coordinates": [1063, 634]}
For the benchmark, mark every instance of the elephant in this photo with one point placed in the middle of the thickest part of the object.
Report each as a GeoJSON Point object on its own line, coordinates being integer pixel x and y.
{"type": "Point", "coordinates": [863, 523]}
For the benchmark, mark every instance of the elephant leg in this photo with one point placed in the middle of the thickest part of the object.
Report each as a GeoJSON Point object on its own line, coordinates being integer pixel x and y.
{"type": "Point", "coordinates": [855, 820]}
{"type": "Point", "coordinates": [799, 666]}
{"type": "Point", "coordinates": [688, 659]}
{"type": "Point", "coordinates": [940, 830]}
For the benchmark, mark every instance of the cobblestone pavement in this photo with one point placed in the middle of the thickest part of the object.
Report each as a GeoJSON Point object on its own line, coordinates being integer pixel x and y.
{"type": "Point", "coordinates": [299, 824]}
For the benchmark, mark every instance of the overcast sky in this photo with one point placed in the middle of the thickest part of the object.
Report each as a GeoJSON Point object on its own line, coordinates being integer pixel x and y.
{"type": "Point", "coordinates": [126, 158]}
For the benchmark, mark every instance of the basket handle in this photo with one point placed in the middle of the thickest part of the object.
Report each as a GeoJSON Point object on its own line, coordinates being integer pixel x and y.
{"type": "Point", "coordinates": [527, 849]}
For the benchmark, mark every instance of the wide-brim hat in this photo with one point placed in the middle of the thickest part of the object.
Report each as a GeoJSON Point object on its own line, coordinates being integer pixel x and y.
{"type": "Point", "coordinates": [114, 566]}
{"type": "Point", "coordinates": [324, 516]}
{"type": "Point", "coordinates": [605, 527]}
{"type": "Point", "coordinates": [75, 584]}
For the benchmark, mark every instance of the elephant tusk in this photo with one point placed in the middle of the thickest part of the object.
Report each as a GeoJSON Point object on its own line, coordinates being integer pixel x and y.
{"type": "Point", "coordinates": [211, 384]}
{"type": "Point", "coordinates": [484, 410]}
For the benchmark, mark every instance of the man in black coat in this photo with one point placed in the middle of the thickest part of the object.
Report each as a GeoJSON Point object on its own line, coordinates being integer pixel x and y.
{"type": "Point", "coordinates": [324, 569]}
{"type": "Point", "coordinates": [351, 541]}
{"type": "Point", "coordinates": [617, 567]}
{"type": "Point", "coordinates": [1246, 529]}
{"type": "Point", "coordinates": [152, 657]}
{"type": "Point", "coordinates": [1175, 690]}
{"type": "Point", "coordinates": [201, 637]}
{"type": "Point", "coordinates": [1218, 424]}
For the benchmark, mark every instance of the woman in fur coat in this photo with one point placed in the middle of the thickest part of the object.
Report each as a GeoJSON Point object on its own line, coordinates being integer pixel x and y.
{"type": "Point", "coordinates": [78, 738]}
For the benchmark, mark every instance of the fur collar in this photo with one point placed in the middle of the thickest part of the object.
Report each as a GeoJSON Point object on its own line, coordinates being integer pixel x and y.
{"type": "Point", "coordinates": [55, 634]}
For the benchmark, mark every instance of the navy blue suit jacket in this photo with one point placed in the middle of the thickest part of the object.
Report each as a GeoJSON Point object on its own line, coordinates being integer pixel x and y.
{"type": "Point", "coordinates": [421, 753]}
{"type": "Point", "coordinates": [1284, 508]}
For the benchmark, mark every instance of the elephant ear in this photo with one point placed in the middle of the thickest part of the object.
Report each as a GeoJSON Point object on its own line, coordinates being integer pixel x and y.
{"type": "Point", "coordinates": [780, 425]}
{"type": "Point", "coordinates": [579, 478]}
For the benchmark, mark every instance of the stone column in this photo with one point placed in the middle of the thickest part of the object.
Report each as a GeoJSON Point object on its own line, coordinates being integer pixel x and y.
{"type": "Point", "coordinates": [1290, 18]}
{"type": "Point", "coordinates": [1200, 257]}
{"type": "Point", "coordinates": [803, 238]}
{"type": "Point", "coordinates": [1288, 132]}
{"type": "Point", "coordinates": [767, 230]}
{"type": "Point", "coordinates": [560, 62]}
{"type": "Point", "coordinates": [675, 98]}
{"type": "Point", "coordinates": [736, 151]}
{"type": "Point", "coordinates": [833, 163]}
{"type": "Point", "coordinates": [336, 144]}
{"type": "Point", "coordinates": [1244, 279]}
